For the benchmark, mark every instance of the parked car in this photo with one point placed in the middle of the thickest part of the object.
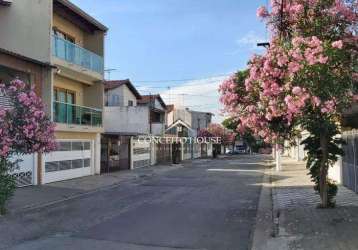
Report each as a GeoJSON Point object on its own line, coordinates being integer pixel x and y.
{"type": "Point", "coordinates": [240, 149]}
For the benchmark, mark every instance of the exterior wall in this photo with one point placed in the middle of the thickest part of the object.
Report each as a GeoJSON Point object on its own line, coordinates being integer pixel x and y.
{"type": "Point", "coordinates": [335, 172]}
{"type": "Point", "coordinates": [94, 95]}
{"type": "Point", "coordinates": [69, 28]}
{"type": "Point", "coordinates": [91, 41]}
{"type": "Point", "coordinates": [158, 105]}
{"type": "Point", "coordinates": [124, 94]}
{"type": "Point", "coordinates": [36, 74]}
{"type": "Point", "coordinates": [196, 151]}
{"type": "Point", "coordinates": [66, 83]}
{"type": "Point", "coordinates": [94, 42]}
{"type": "Point", "coordinates": [199, 120]}
{"type": "Point", "coordinates": [170, 118]}
{"type": "Point", "coordinates": [127, 95]}
{"type": "Point", "coordinates": [26, 28]}
{"type": "Point", "coordinates": [157, 128]}
{"type": "Point", "coordinates": [183, 115]}
{"type": "Point", "coordinates": [133, 120]}
{"type": "Point", "coordinates": [210, 149]}
{"type": "Point", "coordinates": [186, 155]}
{"type": "Point", "coordinates": [297, 152]}
{"type": "Point", "coordinates": [153, 154]}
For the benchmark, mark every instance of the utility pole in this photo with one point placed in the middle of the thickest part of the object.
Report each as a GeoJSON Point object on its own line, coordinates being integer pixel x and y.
{"type": "Point", "coordinates": [109, 71]}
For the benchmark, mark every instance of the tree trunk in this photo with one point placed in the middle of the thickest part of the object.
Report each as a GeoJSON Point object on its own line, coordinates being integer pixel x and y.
{"type": "Point", "coordinates": [323, 185]}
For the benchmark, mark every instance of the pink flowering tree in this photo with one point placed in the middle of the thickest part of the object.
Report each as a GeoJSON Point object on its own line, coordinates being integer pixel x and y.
{"type": "Point", "coordinates": [25, 129]}
{"type": "Point", "coordinates": [217, 130]}
{"type": "Point", "coordinates": [305, 80]}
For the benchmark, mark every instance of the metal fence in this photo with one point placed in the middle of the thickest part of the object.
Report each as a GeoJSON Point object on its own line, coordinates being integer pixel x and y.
{"type": "Point", "coordinates": [350, 160]}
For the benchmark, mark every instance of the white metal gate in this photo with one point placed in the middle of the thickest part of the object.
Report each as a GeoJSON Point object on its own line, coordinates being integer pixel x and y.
{"type": "Point", "coordinates": [73, 159]}
{"type": "Point", "coordinates": [26, 172]}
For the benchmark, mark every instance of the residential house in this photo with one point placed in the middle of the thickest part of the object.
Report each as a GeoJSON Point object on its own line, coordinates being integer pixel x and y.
{"type": "Point", "coordinates": [161, 151]}
{"type": "Point", "coordinates": [200, 120]}
{"type": "Point", "coordinates": [58, 46]}
{"type": "Point", "coordinates": [122, 119]}
{"type": "Point", "coordinates": [157, 110]}
{"type": "Point", "coordinates": [127, 117]}
{"type": "Point", "coordinates": [187, 123]}
{"type": "Point", "coordinates": [25, 54]}
{"type": "Point", "coordinates": [77, 51]}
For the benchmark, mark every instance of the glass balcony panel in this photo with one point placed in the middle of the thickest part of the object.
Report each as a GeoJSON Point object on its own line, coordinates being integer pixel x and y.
{"type": "Point", "coordinates": [75, 54]}
{"type": "Point", "coordinates": [86, 116]}
{"type": "Point", "coordinates": [78, 115]}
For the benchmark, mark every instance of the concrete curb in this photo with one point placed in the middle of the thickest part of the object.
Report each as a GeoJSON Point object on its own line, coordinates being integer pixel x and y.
{"type": "Point", "coordinates": [263, 228]}
{"type": "Point", "coordinates": [275, 208]}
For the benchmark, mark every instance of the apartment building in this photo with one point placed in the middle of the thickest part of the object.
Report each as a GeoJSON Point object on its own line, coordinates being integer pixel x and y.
{"type": "Point", "coordinates": [59, 48]}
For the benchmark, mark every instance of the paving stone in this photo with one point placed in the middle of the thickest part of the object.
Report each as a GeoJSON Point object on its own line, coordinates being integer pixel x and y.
{"type": "Point", "coordinates": [305, 226]}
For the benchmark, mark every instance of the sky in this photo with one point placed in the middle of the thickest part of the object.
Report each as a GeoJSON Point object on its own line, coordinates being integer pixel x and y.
{"type": "Point", "coordinates": [182, 49]}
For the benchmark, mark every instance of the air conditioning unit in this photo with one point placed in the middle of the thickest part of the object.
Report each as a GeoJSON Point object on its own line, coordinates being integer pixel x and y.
{"type": "Point", "coordinates": [5, 2]}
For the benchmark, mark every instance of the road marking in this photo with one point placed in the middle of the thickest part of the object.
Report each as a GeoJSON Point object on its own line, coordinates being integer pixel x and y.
{"type": "Point", "coordinates": [233, 170]}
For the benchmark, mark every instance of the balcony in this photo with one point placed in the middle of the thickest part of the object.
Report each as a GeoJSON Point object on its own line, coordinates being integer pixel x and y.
{"type": "Point", "coordinates": [76, 115]}
{"type": "Point", "coordinates": [74, 54]}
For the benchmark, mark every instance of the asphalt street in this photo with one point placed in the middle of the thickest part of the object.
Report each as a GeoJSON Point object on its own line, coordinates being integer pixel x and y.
{"type": "Point", "coordinates": [206, 204]}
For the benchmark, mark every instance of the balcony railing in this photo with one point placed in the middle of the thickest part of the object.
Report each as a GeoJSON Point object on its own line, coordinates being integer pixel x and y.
{"type": "Point", "coordinates": [75, 54]}
{"type": "Point", "coordinates": [78, 115]}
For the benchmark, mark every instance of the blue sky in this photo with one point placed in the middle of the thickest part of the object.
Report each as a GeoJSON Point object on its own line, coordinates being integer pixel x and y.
{"type": "Point", "coordinates": [152, 40]}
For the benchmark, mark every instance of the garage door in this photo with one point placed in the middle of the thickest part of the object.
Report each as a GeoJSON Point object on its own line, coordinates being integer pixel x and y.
{"type": "Point", "coordinates": [72, 159]}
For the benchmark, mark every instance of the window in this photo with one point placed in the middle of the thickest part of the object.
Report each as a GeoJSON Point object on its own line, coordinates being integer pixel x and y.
{"type": "Point", "coordinates": [63, 35]}
{"type": "Point", "coordinates": [114, 101]}
{"type": "Point", "coordinates": [130, 103]}
{"type": "Point", "coordinates": [64, 95]}
{"type": "Point", "coordinates": [157, 117]}
{"type": "Point", "coordinates": [63, 111]}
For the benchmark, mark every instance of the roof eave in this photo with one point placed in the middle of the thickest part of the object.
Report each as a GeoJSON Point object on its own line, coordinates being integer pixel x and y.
{"type": "Point", "coordinates": [83, 14]}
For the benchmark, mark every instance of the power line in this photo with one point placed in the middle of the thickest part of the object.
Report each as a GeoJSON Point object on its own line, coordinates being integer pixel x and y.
{"type": "Point", "coordinates": [179, 85]}
{"type": "Point", "coordinates": [181, 80]}
{"type": "Point", "coordinates": [183, 94]}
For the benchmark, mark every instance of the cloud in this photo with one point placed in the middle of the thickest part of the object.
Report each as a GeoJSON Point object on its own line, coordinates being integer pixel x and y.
{"type": "Point", "coordinates": [248, 42]}
{"type": "Point", "coordinates": [200, 95]}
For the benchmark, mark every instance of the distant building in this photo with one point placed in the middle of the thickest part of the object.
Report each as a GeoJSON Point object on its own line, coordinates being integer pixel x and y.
{"type": "Point", "coordinates": [157, 113]}
{"type": "Point", "coordinates": [186, 121]}
{"type": "Point", "coordinates": [127, 116]}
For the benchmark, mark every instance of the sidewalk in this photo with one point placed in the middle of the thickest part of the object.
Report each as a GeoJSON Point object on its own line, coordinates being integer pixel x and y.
{"type": "Point", "coordinates": [300, 225]}
{"type": "Point", "coordinates": [33, 197]}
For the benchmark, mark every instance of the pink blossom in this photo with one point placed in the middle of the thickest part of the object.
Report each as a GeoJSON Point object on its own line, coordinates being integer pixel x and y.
{"type": "Point", "coordinates": [337, 44]}
{"type": "Point", "coordinates": [262, 12]}
{"type": "Point", "coordinates": [316, 101]}
{"type": "Point", "coordinates": [296, 90]}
